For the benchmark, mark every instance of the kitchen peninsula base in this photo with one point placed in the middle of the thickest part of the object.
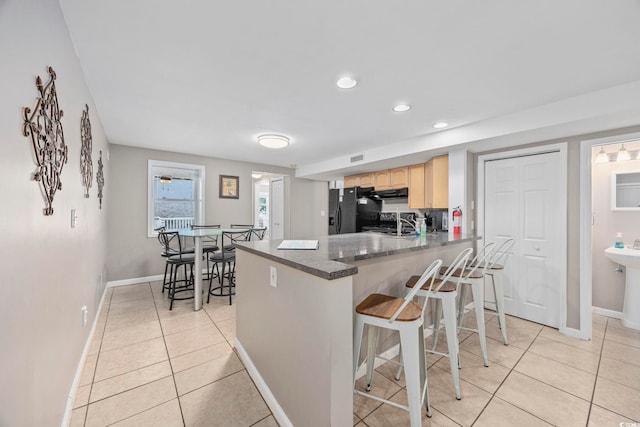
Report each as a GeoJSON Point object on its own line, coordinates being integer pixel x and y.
{"type": "Point", "coordinates": [296, 337]}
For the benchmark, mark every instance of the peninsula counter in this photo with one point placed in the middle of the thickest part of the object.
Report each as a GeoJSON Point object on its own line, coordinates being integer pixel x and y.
{"type": "Point", "coordinates": [295, 309]}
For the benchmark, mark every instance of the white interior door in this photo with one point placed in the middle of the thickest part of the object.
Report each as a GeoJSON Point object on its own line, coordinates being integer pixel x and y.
{"type": "Point", "coordinates": [523, 200]}
{"type": "Point", "coordinates": [276, 217]}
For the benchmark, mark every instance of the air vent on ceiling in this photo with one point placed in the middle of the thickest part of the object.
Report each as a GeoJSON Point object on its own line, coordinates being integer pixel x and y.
{"type": "Point", "coordinates": [357, 158]}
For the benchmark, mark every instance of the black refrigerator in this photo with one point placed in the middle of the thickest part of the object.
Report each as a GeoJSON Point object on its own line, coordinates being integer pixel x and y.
{"type": "Point", "coordinates": [354, 210]}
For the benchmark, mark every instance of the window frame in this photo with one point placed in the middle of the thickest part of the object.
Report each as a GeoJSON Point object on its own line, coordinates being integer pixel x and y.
{"type": "Point", "coordinates": [160, 167]}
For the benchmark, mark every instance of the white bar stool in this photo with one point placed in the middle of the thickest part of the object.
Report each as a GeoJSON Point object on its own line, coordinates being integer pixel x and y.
{"type": "Point", "coordinates": [405, 316]}
{"type": "Point", "coordinates": [473, 276]}
{"type": "Point", "coordinates": [495, 270]}
{"type": "Point", "coordinates": [445, 297]}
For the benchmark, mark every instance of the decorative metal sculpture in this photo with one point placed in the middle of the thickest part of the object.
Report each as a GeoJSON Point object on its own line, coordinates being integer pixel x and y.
{"type": "Point", "coordinates": [47, 138]}
{"type": "Point", "coordinates": [100, 179]}
{"type": "Point", "coordinates": [86, 165]}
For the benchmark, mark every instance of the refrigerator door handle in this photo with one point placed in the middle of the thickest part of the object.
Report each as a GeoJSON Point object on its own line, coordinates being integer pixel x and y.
{"type": "Point", "coordinates": [338, 220]}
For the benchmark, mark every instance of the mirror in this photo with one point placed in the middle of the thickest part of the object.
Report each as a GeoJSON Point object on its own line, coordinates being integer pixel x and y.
{"type": "Point", "coordinates": [625, 191]}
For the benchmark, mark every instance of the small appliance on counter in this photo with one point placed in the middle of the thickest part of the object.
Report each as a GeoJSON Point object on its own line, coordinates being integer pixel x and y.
{"type": "Point", "coordinates": [388, 223]}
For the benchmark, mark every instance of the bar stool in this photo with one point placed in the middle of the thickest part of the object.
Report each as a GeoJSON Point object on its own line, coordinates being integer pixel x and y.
{"type": "Point", "coordinates": [209, 244]}
{"type": "Point", "coordinates": [473, 276]}
{"type": "Point", "coordinates": [227, 258]}
{"type": "Point", "coordinates": [445, 297]}
{"type": "Point", "coordinates": [179, 259]}
{"type": "Point", "coordinates": [168, 251]}
{"type": "Point", "coordinates": [495, 270]}
{"type": "Point", "coordinates": [405, 316]}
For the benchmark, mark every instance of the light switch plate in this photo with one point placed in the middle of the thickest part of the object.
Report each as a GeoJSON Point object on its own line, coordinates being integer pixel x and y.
{"type": "Point", "coordinates": [273, 276]}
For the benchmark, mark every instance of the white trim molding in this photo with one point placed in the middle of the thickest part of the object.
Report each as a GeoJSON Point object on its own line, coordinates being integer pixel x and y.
{"type": "Point", "coordinates": [607, 313]}
{"type": "Point", "coordinates": [586, 233]}
{"type": "Point", "coordinates": [265, 391]}
{"type": "Point", "coordinates": [135, 280]}
{"type": "Point", "coordinates": [562, 149]}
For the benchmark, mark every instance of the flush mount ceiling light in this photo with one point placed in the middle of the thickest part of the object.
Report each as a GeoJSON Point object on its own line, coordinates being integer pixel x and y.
{"type": "Point", "coordinates": [441, 125]}
{"type": "Point", "coordinates": [623, 154]}
{"type": "Point", "coordinates": [401, 108]}
{"type": "Point", "coordinates": [256, 175]}
{"type": "Point", "coordinates": [346, 82]}
{"type": "Point", "coordinates": [273, 141]}
{"type": "Point", "coordinates": [602, 157]}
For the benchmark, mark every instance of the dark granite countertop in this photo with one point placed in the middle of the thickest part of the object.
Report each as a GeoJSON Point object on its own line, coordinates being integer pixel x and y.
{"type": "Point", "coordinates": [335, 253]}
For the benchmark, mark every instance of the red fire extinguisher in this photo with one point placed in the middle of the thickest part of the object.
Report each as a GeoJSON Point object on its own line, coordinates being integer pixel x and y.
{"type": "Point", "coordinates": [457, 220]}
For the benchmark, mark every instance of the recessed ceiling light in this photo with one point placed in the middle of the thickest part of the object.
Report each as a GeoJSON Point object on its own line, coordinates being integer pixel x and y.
{"type": "Point", "coordinates": [401, 108]}
{"type": "Point", "coordinates": [273, 141]}
{"type": "Point", "coordinates": [441, 125]}
{"type": "Point", "coordinates": [346, 82]}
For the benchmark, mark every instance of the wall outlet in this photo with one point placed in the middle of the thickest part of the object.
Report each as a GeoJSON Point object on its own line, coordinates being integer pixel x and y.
{"type": "Point", "coordinates": [74, 218]}
{"type": "Point", "coordinates": [322, 213]}
{"type": "Point", "coordinates": [273, 276]}
{"type": "Point", "coordinates": [84, 311]}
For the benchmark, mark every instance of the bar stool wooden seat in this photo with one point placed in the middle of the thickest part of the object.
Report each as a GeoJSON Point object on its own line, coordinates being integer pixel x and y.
{"type": "Point", "coordinates": [446, 290]}
{"type": "Point", "coordinates": [405, 316]}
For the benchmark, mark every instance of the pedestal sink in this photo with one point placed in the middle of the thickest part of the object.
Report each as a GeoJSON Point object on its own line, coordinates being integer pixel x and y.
{"type": "Point", "coordinates": [630, 258]}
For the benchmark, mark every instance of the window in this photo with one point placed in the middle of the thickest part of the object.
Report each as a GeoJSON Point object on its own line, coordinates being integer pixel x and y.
{"type": "Point", "coordinates": [176, 195]}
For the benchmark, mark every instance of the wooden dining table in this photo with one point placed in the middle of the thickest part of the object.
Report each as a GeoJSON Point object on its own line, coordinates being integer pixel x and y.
{"type": "Point", "coordinates": [198, 234]}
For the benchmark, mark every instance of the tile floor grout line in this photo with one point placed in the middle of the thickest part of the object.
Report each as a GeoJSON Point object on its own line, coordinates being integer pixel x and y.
{"type": "Point", "coordinates": [493, 395]}
{"type": "Point", "coordinates": [595, 383]}
{"type": "Point", "coordinates": [141, 385]}
{"type": "Point", "coordinates": [95, 368]}
{"type": "Point", "coordinates": [173, 375]}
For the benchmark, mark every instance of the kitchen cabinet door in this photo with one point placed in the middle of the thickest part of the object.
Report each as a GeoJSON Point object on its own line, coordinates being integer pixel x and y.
{"type": "Point", "coordinates": [399, 177]}
{"type": "Point", "coordinates": [436, 174]}
{"type": "Point", "coordinates": [351, 181]}
{"type": "Point", "coordinates": [367, 180]}
{"type": "Point", "coordinates": [382, 180]}
{"type": "Point", "coordinates": [416, 187]}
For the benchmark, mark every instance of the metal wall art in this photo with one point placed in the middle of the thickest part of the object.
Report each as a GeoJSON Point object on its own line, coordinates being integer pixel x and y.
{"type": "Point", "coordinates": [45, 129]}
{"type": "Point", "coordinates": [86, 165]}
{"type": "Point", "coordinates": [100, 179]}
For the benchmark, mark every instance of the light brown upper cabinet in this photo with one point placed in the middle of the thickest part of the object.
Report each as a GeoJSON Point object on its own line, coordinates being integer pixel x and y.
{"type": "Point", "coordinates": [399, 177]}
{"type": "Point", "coordinates": [429, 184]}
{"type": "Point", "coordinates": [416, 187]}
{"type": "Point", "coordinates": [391, 179]}
{"type": "Point", "coordinates": [382, 180]}
{"type": "Point", "coordinates": [362, 180]}
{"type": "Point", "coordinates": [436, 183]}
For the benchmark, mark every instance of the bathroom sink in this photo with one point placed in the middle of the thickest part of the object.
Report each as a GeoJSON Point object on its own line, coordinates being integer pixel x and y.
{"type": "Point", "coordinates": [628, 257]}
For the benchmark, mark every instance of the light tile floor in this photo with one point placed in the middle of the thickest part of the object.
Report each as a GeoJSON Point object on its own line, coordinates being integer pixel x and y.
{"type": "Point", "coordinates": [148, 366]}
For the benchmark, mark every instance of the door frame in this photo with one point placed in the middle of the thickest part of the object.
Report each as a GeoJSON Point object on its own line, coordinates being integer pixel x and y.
{"type": "Point", "coordinates": [561, 148]}
{"type": "Point", "coordinates": [586, 234]}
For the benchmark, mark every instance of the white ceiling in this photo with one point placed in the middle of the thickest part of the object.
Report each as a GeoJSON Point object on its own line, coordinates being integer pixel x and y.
{"type": "Point", "coordinates": [206, 77]}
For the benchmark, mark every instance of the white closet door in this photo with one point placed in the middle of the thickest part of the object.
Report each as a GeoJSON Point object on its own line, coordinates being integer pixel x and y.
{"type": "Point", "coordinates": [523, 201]}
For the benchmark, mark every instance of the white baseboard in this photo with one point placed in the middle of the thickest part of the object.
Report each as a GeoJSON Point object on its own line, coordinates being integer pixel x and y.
{"type": "Point", "coordinates": [134, 281]}
{"type": "Point", "coordinates": [269, 398]}
{"type": "Point", "coordinates": [66, 419]}
{"type": "Point", "coordinates": [575, 333]}
{"type": "Point", "coordinates": [606, 312]}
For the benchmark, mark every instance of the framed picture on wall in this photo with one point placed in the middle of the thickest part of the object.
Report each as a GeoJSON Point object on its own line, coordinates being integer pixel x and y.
{"type": "Point", "coordinates": [229, 187]}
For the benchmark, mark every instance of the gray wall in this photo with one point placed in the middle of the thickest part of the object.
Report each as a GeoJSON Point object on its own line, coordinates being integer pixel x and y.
{"type": "Point", "coordinates": [49, 270]}
{"type": "Point", "coordinates": [573, 216]}
{"type": "Point", "coordinates": [131, 254]}
{"type": "Point", "coordinates": [608, 286]}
